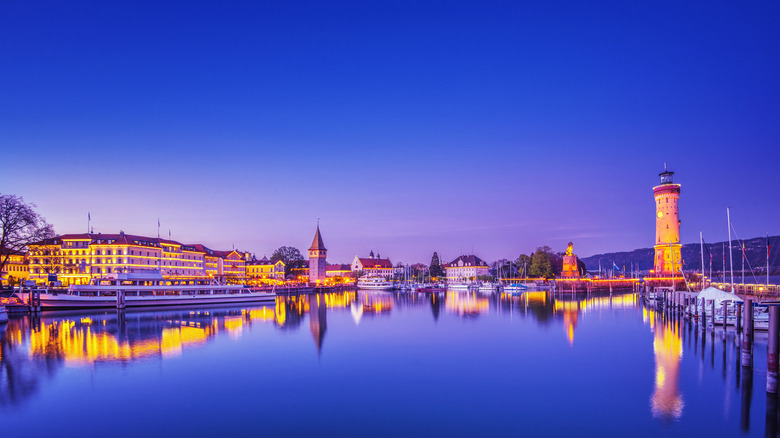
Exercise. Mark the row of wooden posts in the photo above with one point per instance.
(686, 303)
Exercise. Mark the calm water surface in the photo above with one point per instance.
(381, 364)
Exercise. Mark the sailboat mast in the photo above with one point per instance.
(767, 262)
(701, 242)
(731, 257)
(743, 263)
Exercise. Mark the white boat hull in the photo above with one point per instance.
(375, 287)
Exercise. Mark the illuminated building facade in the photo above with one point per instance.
(667, 225)
(76, 258)
(264, 271)
(339, 270)
(16, 269)
(318, 266)
(373, 266)
(466, 268)
(231, 265)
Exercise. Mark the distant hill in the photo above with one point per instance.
(755, 249)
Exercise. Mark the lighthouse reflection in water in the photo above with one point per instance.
(439, 363)
(666, 401)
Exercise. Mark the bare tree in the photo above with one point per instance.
(21, 225)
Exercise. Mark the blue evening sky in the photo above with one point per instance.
(406, 127)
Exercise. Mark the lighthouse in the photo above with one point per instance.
(667, 225)
(317, 256)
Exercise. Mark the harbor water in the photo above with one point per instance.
(382, 364)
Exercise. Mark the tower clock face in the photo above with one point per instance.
(660, 214)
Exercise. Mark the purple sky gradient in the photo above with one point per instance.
(406, 128)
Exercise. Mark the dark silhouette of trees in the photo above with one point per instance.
(21, 225)
(291, 257)
(436, 269)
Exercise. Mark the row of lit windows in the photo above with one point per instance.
(171, 253)
(81, 244)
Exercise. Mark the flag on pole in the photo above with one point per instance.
(169, 233)
(615, 266)
(89, 216)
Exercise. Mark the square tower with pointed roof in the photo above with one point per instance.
(318, 267)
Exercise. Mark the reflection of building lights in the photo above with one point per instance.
(536, 297)
(377, 303)
(570, 322)
(264, 314)
(89, 341)
(466, 304)
(666, 401)
(234, 324)
(339, 300)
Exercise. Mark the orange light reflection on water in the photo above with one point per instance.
(466, 304)
(666, 401)
(87, 341)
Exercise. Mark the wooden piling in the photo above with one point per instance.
(703, 318)
(772, 347)
(120, 299)
(739, 317)
(34, 300)
(712, 310)
(747, 334)
(724, 305)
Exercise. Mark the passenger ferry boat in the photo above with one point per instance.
(374, 283)
(147, 289)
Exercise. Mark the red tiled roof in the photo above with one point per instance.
(375, 263)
